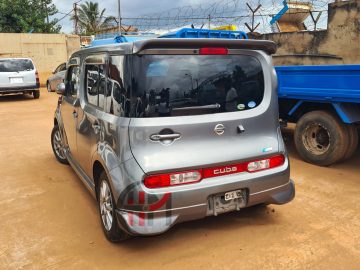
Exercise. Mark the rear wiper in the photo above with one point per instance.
(205, 107)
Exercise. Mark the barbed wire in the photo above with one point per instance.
(219, 13)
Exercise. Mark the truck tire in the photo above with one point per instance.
(321, 138)
(353, 141)
(36, 94)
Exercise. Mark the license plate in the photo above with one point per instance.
(233, 195)
(16, 80)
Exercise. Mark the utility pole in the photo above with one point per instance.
(119, 16)
(76, 20)
(46, 11)
(253, 11)
(209, 17)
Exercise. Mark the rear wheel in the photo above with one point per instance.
(353, 141)
(107, 212)
(321, 138)
(36, 94)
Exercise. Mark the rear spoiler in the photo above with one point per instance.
(267, 46)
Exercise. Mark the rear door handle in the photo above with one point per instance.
(163, 137)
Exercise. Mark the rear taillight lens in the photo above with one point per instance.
(264, 164)
(213, 51)
(172, 179)
(189, 177)
(37, 77)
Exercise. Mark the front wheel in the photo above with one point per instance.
(57, 144)
(321, 138)
(107, 212)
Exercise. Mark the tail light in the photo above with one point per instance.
(264, 164)
(37, 77)
(213, 51)
(172, 179)
(190, 177)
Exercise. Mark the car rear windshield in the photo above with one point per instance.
(16, 65)
(176, 85)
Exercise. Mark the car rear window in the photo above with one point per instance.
(175, 85)
(16, 65)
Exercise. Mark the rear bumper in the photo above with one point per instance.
(154, 213)
(18, 89)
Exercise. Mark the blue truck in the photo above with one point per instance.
(323, 101)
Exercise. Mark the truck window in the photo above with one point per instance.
(176, 85)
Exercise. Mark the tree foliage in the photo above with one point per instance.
(24, 16)
(91, 19)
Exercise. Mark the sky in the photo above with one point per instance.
(130, 8)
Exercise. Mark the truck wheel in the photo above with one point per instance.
(36, 94)
(57, 145)
(353, 141)
(107, 206)
(321, 138)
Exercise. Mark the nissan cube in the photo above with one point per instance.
(164, 131)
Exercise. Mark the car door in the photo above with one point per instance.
(90, 128)
(70, 105)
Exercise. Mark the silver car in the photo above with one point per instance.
(57, 78)
(19, 76)
(170, 130)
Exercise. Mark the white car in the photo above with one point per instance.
(19, 76)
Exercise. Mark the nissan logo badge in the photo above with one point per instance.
(219, 129)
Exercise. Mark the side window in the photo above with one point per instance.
(95, 84)
(72, 82)
(118, 94)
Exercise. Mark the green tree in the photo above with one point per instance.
(91, 19)
(23, 16)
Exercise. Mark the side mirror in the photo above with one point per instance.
(60, 89)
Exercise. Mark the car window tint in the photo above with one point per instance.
(117, 98)
(16, 65)
(95, 84)
(73, 81)
(176, 85)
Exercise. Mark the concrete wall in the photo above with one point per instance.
(339, 44)
(46, 50)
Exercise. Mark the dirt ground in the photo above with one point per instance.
(49, 220)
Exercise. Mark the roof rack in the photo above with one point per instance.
(205, 33)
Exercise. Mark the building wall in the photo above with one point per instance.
(46, 50)
(339, 44)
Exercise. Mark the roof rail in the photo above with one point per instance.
(205, 33)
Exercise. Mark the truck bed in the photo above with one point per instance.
(332, 83)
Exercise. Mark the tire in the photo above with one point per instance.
(36, 94)
(353, 141)
(57, 143)
(106, 205)
(48, 87)
(321, 138)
